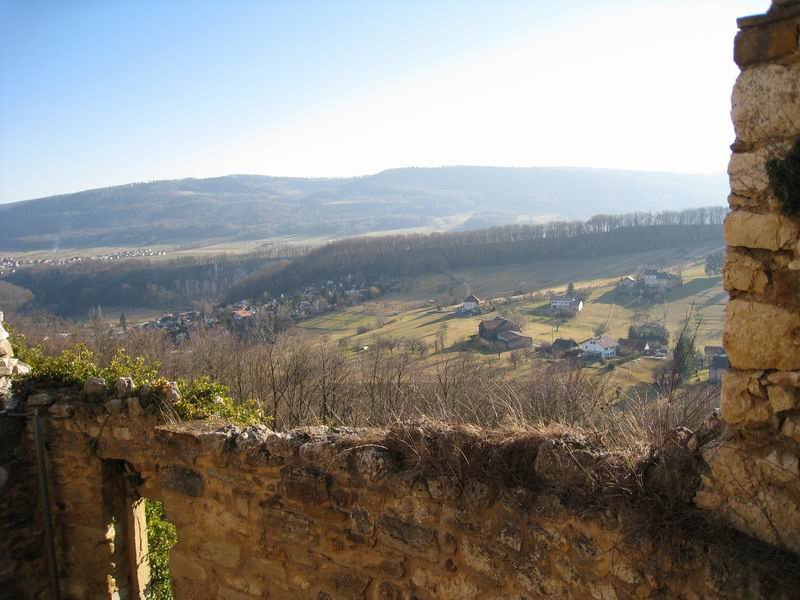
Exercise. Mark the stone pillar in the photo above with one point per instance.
(754, 479)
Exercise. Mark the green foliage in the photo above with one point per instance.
(75, 365)
(784, 178)
(161, 536)
(123, 365)
(72, 367)
(202, 398)
(649, 331)
(714, 263)
(684, 356)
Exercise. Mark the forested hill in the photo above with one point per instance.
(248, 207)
(409, 255)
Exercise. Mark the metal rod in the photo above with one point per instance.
(45, 496)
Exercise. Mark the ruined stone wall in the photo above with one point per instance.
(754, 477)
(326, 514)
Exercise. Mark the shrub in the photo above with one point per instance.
(201, 398)
(161, 536)
(204, 398)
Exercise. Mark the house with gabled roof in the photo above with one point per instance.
(602, 346)
(471, 301)
(488, 330)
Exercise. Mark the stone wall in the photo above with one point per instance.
(329, 514)
(754, 477)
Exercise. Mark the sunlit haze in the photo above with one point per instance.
(102, 93)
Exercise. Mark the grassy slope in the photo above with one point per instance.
(404, 315)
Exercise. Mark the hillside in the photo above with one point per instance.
(252, 207)
(409, 314)
(413, 254)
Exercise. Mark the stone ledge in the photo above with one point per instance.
(775, 15)
(766, 42)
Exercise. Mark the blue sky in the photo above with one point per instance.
(96, 93)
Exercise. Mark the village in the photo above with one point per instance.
(10, 264)
(498, 328)
(275, 314)
(650, 340)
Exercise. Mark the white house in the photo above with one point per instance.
(566, 302)
(470, 302)
(602, 346)
(661, 279)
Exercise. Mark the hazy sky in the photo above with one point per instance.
(96, 92)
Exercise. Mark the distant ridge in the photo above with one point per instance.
(250, 207)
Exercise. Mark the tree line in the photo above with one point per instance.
(415, 254)
(75, 288)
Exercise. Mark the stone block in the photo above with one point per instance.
(372, 464)
(781, 467)
(226, 593)
(744, 401)
(21, 369)
(114, 406)
(7, 365)
(95, 388)
(284, 445)
(747, 172)
(40, 399)
(350, 584)
(6, 349)
(408, 537)
(766, 103)
(767, 231)
(220, 552)
(134, 406)
(762, 336)
(782, 398)
(123, 387)
(182, 480)
(790, 378)
(744, 273)
(791, 427)
(787, 287)
(183, 566)
(765, 43)
(305, 484)
(61, 411)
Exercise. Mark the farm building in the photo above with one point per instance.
(489, 330)
(514, 340)
(563, 345)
